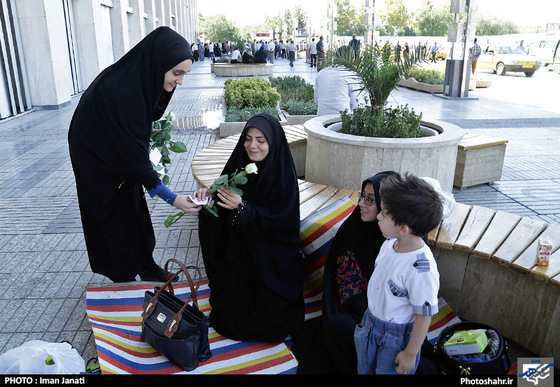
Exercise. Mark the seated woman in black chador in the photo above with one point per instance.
(251, 251)
(326, 344)
(260, 55)
(247, 56)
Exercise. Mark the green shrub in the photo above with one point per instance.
(399, 122)
(298, 108)
(431, 76)
(240, 115)
(250, 92)
(293, 88)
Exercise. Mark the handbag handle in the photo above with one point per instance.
(184, 270)
(149, 307)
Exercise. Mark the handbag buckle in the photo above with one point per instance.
(171, 328)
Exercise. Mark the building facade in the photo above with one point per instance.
(53, 49)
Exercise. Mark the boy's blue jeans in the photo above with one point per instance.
(378, 343)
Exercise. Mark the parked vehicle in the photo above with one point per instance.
(502, 59)
(546, 49)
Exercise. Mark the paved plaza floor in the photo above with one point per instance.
(44, 269)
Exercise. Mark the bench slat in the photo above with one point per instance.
(477, 222)
(523, 234)
(496, 233)
(452, 225)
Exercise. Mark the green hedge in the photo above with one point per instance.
(250, 92)
(293, 88)
(431, 76)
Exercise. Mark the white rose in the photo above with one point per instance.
(251, 168)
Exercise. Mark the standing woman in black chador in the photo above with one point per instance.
(109, 141)
(251, 251)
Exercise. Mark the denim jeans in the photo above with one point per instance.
(378, 343)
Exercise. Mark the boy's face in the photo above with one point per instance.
(388, 227)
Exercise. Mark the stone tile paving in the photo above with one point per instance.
(44, 270)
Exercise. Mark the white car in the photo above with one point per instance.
(502, 59)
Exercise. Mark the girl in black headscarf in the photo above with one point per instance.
(109, 141)
(251, 251)
(326, 344)
(348, 267)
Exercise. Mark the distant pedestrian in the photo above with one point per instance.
(406, 52)
(474, 53)
(271, 50)
(292, 53)
(313, 53)
(355, 44)
(320, 51)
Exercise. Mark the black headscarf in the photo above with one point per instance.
(109, 139)
(254, 266)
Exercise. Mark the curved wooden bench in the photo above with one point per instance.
(486, 258)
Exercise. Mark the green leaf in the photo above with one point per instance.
(171, 219)
(236, 191)
(178, 147)
(213, 211)
(221, 180)
(241, 180)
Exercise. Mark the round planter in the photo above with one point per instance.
(343, 160)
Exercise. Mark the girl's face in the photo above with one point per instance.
(256, 145)
(368, 209)
(175, 76)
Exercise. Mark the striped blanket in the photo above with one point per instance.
(114, 312)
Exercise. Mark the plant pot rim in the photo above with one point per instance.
(448, 133)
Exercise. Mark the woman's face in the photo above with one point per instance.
(256, 144)
(368, 209)
(175, 76)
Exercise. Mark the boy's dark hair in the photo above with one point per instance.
(411, 201)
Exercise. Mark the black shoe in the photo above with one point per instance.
(153, 273)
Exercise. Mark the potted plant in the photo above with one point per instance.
(343, 150)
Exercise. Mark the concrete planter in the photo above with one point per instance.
(342, 160)
(298, 119)
(412, 83)
(230, 128)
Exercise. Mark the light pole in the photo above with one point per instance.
(457, 74)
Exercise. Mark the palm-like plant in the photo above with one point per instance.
(377, 74)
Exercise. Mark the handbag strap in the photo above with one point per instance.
(189, 279)
(149, 307)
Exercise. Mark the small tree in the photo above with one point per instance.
(377, 74)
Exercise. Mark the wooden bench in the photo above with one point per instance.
(480, 159)
(486, 258)
(241, 69)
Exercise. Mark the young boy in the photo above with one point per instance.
(402, 291)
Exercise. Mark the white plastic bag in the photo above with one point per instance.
(40, 357)
(447, 199)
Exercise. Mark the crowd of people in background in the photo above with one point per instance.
(314, 50)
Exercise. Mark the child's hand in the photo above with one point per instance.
(405, 362)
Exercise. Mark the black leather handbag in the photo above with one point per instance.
(496, 361)
(177, 329)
